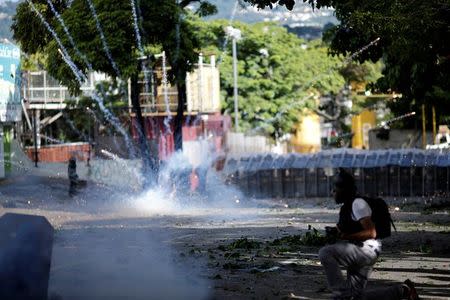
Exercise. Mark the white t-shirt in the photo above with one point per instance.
(361, 209)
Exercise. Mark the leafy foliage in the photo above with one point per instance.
(311, 238)
(33, 62)
(85, 111)
(361, 73)
(417, 61)
(243, 243)
(163, 25)
(279, 74)
(103, 38)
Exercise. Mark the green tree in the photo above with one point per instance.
(279, 74)
(34, 62)
(113, 49)
(417, 61)
(162, 25)
(361, 73)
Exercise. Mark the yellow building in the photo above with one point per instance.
(361, 124)
(307, 135)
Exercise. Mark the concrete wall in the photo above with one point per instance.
(115, 172)
(118, 173)
(239, 144)
(60, 153)
(398, 138)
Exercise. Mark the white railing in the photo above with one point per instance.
(40, 89)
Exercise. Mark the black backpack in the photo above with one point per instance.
(381, 217)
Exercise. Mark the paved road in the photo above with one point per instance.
(114, 245)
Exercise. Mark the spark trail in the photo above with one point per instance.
(310, 83)
(233, 14)
(177, 35)
(69, 36)
(62, 49)
(103, 39)
(66, 57)
(72, 42)
(139, 45)
(166, 97)
(73, 127)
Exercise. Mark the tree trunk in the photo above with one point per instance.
(178, 124)
(149, 166)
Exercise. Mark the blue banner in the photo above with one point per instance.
(10, 82)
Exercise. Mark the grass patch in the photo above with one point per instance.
(293, 242)
(242, 243)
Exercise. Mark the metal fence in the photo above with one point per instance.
(396, 173)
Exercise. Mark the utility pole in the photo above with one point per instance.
(35, 139)
(235, 35)
(235, 89)
(424, 128)
(434, 123)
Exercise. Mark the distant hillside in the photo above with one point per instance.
(301, 15)
(307, 32)
(302, 20)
